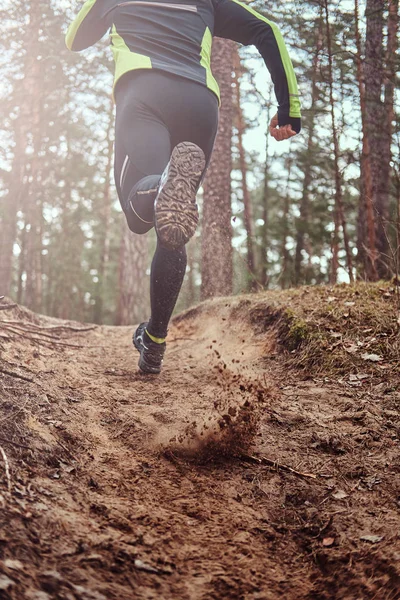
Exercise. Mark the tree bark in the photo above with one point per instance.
(340, 218)
(366, 247)
(389, 115)
(373, 70)
(264, 278)
(133, 298)
(216, 265)
(247, 207)
(303, 221)
(34, 89)
(105, 214)
(285, 275)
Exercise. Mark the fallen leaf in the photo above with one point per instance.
(141, 566)
(371, 357)
(340, 495)
(373, 539)
(15, 565)
(352, 349)
(5, 582)
(349, 303)
(328, 542)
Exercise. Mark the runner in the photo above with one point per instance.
(166, 121)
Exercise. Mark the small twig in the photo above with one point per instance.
(7, 468)
(12, 374)
(52, 327)
(8, 306)
(272, 463)
(25, 332)
(17, 444)
(46, 342)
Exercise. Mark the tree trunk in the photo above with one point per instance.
(216, 265)
(375, 117)
(133, 299)
(105, 214)
(338, 178)
(366, 246)
(34, 89)
(264, 279)
(247, 207)
(9, 215)
(303, 221)
(285, 275)
(387, 133)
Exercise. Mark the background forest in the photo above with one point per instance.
(322, 208)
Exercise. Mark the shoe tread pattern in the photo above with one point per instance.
(176, 212)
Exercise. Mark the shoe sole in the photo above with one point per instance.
(176, 212)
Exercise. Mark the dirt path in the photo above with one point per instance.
(109, 499)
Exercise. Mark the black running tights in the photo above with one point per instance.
(155, 112)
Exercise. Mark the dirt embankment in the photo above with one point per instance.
(263, 463)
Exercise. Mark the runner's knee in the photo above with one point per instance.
(139, 208)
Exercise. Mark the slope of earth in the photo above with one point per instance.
(263, 462)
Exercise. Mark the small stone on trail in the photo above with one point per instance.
(340, 495)
(373, 539)
(328, 542)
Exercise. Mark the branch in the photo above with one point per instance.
(263, 460)
(7, 468)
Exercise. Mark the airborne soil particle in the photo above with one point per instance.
(125, 486)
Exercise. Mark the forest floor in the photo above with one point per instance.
(263, 463)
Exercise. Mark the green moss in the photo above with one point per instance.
(297, 330)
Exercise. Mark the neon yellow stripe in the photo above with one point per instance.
(287, 63)
(125, 59)
(205, 62)
(74, 27)
(154, 339)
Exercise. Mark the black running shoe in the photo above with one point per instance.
(151, 353)
(176, 211)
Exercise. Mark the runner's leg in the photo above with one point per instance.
(152, 110)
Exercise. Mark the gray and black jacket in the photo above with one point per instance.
(176, 37)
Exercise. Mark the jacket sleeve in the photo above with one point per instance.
(89, 25)
(237, 21)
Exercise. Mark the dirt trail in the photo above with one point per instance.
(107, 503)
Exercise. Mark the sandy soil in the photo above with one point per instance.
(227, 476)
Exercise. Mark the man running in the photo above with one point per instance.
(166, 121)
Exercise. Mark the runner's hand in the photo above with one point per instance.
(280, 133)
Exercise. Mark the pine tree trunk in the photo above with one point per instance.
(264, 241)
(303, 221)
(285, 275)
(105, 215)
(387, 132)
(368, 250)
(216, 264)
(33, 215)
(373, 71)
(133, 298)
(367, 237)
(248, 209)
(339, 218)
(11, 204)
